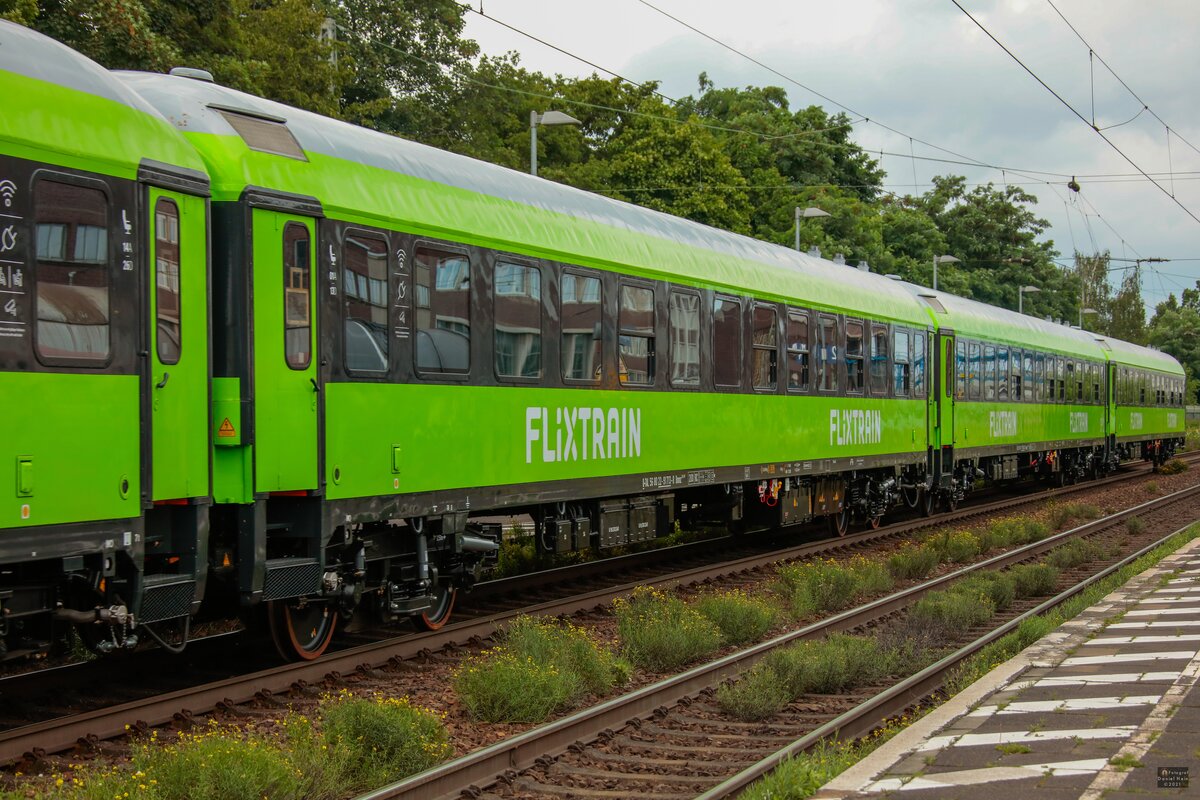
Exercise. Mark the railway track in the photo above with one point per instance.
(670, 740)
(38, 739)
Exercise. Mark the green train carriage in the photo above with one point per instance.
(1147, 388)
(483, 341)
(105, 454)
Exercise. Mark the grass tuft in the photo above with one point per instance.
(955, 546)
(912, 562)
(1174, 467)
(539, 668)
(661, 632)
(1034, 580)
(740, 617)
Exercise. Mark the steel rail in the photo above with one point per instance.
(63, 733)
(866, 717)
(475, 771)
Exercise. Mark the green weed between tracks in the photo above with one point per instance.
(740, 617)
(827, 585)
(661, 632)
(354, 744)
(539, 668)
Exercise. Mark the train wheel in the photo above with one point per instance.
(927, 502)
(301, 632)
(876, 522)
(438, 613)
(839, 523)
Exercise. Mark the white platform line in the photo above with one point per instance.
(1019, 737)
(1098, 680)
(1164, 612)
(1169, 623)
(974, 777)
(1119, 658)
(1111, 640)
(1072, 704)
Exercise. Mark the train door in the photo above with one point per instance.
(286, 390)
(944, 385)
(178, 345)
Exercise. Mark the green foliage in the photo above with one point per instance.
(518, 555)
(740, 617)
(954, 546)
(1074, 553)
(1012, 532)
(381, 739)
(661, 632)
(950, 613)
(1062, 516)
(912, 562)
(1135, 525)
(998, 587)
(824, 585)
(539, 668)
(1034, 580)
(758, 694)
(1174, 467)
(22, 12)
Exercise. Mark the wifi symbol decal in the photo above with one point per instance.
(8, 190)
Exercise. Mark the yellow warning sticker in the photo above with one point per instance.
(226, 430)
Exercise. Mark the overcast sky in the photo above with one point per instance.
(923, 68)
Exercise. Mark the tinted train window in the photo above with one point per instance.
(1027, 379)
(1059, 372)
(765, 345)
(442, 280)
(1015, 381)
(797, 351)
(902, 370)
(636, 337)
(1002, 373)
(827, 354)
(989, 372)
(365, 298)
(727, 342)
(1039, 376)
(974, 371)
(685, 339)
(879, 359)
(854, 357)
(168, 324)
(72, 273)
(297, 296)
(919, 364)
(960, 362)
(580, 307)
(517, 295)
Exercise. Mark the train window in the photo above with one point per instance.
(636, 336)
(1095, 372)
(960, 363)
(365, 295)
(1039, 376)
(827, 354)
(1015, 382)
(989, 372)
(685, 339)
(765, 365)
(517, 306)
(580, 312)
(443, 305)
(854, 357)
(901, 369)
(297, 296)
(72, 273)
(1051, 379)
(1059, 373)
(1027, 376)
(167, 313)
(727, 342)
(974, 371)
(879, 359)
(1002, 373)
(797, 351)
(918, 372)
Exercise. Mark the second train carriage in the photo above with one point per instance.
(403, 339)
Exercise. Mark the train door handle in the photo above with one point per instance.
(316, 388)
(166, 376)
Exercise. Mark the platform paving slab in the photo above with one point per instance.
(1115, 682)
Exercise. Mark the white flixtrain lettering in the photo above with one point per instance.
(854, 426)
(1079, 422)
(1002, 423)
(570, 433)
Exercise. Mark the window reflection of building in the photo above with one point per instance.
(72, 272)
(365, 292)
(168, 333)
(518, 312)
(685, 339)
(636, 339)
(580, 314)
(442, 283)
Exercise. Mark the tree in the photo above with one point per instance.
(1128, 310)
(1091, 273)
(1175, 329)
(22, 12)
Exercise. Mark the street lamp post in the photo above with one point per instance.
(1021, 290)
(549, 118)
(941, 260)
(801, 213)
